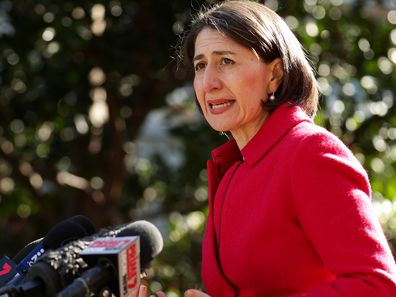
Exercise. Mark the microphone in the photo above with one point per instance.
(120, 268)
(150, 238)
(115, 264)
(7, 270)
(8, 267)
(59, 235)
(26, 250)
(66, 231)
(85, 223)
(59, 268)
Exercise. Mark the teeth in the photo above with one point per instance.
(220, 105)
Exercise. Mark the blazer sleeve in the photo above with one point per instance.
(331, 196)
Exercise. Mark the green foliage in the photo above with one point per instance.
(95, 119)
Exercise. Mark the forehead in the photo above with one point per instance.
(210, 39)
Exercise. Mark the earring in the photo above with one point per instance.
(272, 97)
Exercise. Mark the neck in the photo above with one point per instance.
(243, 136)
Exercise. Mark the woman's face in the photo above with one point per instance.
(230, 83)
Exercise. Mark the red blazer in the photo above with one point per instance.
(290, 215)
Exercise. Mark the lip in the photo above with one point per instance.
(218, 106)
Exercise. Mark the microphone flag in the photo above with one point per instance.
(124, 255)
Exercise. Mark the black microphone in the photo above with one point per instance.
(85, 223)
(66, 231)
(59, 268)
(117, 270)
(59, 235)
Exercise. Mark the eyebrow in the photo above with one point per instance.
(217, 53)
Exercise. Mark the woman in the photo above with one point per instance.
(289, 205)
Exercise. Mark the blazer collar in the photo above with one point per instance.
(225, 155)
(278, 124)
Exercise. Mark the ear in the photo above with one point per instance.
(276, 71)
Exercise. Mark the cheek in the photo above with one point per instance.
(198, 93)
(255, 83)
(253, 79)
(196, 85)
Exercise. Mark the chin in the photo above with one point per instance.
(220, 128)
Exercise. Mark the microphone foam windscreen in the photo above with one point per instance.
(151, 242)
(63, 233)
(85, 223)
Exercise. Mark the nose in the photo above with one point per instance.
(211, 79)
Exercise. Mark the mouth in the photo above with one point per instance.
(220, 103)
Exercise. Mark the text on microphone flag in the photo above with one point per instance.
(108, 244)
(133, 265)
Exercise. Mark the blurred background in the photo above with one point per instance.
(96, 120)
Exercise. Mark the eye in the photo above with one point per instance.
(226, 61)
(199, 66)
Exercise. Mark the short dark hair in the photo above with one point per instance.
(257, 27)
